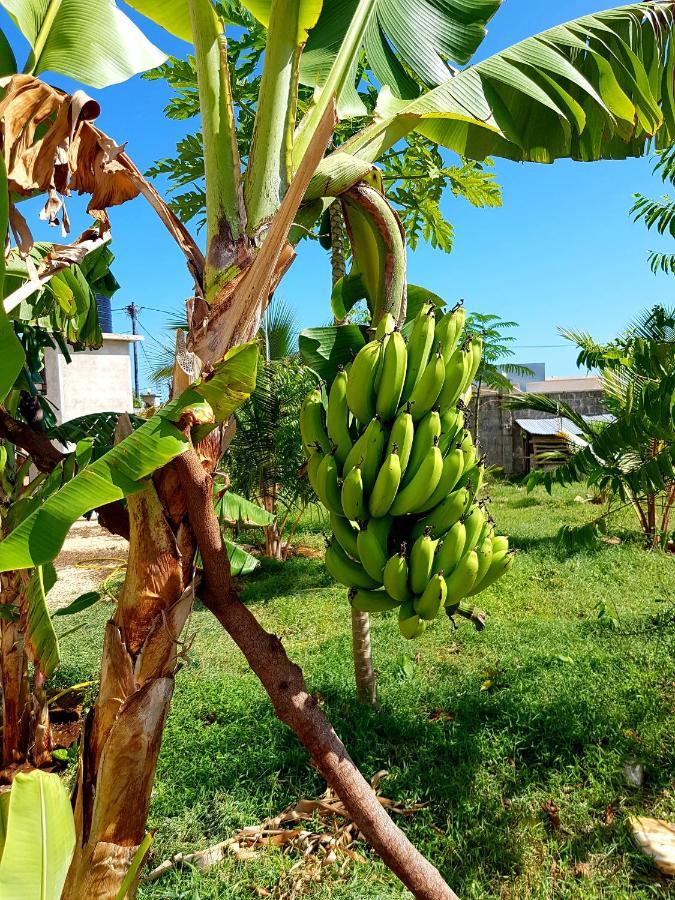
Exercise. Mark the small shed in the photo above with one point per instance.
(559, 436)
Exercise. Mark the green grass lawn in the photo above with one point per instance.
(572, 696)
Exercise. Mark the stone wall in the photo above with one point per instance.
(503, 441)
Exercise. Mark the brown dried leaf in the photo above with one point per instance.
(552, 812)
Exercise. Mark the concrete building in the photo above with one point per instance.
(94, 380)
(503, 433)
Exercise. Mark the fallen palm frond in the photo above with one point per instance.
(329, 845)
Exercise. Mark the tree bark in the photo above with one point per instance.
(14, 677)
(123, 732)
(284, 683)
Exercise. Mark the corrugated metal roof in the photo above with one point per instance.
(559, 426)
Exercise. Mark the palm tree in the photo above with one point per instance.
(631, 458)
(494, 366)
(266, 453)
(659, 214)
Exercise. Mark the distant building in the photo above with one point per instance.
(511, 439)
(522, 381)
(94, 380)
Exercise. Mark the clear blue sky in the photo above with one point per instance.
(561, 251)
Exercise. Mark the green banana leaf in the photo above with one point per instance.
(241, 562)
(324, 349)
(40, 536)
(232, 509)
(305, 12)
(40, 637)
(417, 297)
(92, 41)
(172, 15)
(598, 87)
(84, 601)
(401, 36)
(39, 838)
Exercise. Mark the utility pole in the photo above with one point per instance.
(132, 311)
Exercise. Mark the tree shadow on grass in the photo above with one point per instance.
(483, 770)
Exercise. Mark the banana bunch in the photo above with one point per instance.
(393, 463)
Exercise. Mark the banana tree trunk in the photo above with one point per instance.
(362, 651)
(123, 732)
(273, 536)
(13, 675)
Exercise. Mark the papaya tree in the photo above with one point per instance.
(598, 87)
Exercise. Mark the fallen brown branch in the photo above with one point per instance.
(284, 682)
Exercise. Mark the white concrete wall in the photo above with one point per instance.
(94, 381)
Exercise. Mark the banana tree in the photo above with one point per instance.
(598, 87)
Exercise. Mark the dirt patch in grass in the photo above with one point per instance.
(89, 556)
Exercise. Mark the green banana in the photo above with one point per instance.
(500, 565)
(337, 417)
(386, 325)
(402, 433)
(422, 485)
(345, 570)
(500, 543)
(475, 353)
(428, 387)
(444, 516)
(315, 460)
(473, 478)
(453, 465)
(311, 422)
(361, 384)
(345, 534)
(396, 576)
(421, 562)
(473, 522)
(368, 452)
(409, 623)
(353, 501)
(425, 433)
(468, 449)
(455, 374)
(452, 421)
(386, 485)
(371, 601)
(428, 605)
(450, 549)
(394, 365)
(327, 487)
(372, 554)
(449, 329)
(462, 579)
(484, 553)
(419, 347)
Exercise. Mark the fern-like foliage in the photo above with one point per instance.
(633, 456)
